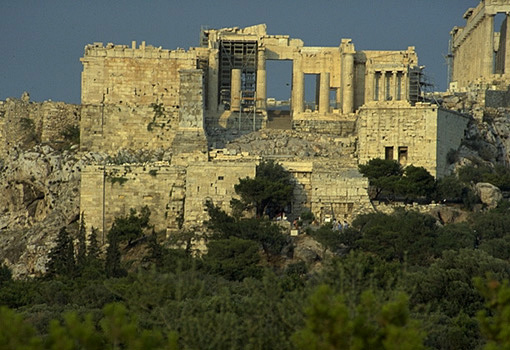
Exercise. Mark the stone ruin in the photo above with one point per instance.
(208, 107)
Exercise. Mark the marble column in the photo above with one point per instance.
(369, 85)
(212, 83)
(348, 83)
(324, 93)
(488, 47)
(405, 86)
(235, 90)
(298, 87)
(261, 79)
(507, 46)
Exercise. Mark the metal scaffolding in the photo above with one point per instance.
(238, 55)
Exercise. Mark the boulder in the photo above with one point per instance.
(307, 249)
(489, 194)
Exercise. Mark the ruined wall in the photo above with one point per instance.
(190, 139)
(497, 98)
(384, 127)
(24, 123)
(474, 45)
(450, 132)
(339, 193)
(111, 191)
(334, 124)
(470, 61)
(109, 128)
(118, 74)
(500, 59)
(212, 181)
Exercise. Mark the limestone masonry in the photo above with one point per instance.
(478, 53)
(207, 108)
(173, 129)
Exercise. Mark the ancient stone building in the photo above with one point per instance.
(199, 105)
(478, 53)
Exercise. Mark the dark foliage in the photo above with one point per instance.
(61, 258)
(130, 227)
(270, 192)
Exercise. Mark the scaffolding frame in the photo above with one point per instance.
(238, 54)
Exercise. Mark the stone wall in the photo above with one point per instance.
(339, 193)
(388, 130)
(109, 128)
(476, 49)
(450, 132)
(24, 123)
(312, 122)
(212, 181)
(421, 135)
(497, 98)
(118, 74)
(110, 191)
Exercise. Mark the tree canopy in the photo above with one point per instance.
(269, 192)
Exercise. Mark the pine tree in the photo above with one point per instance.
(93, 247)
(113, 266)
(61, 257)
(81, 251)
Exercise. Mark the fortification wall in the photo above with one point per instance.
(212, 181)
(338, 193)
(450, 132)
(407, 134)
(118, 74)
(108, 128)
(24, 123)
(110, 191)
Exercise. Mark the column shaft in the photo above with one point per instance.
(212, 83)
(298, 87)
(507, 46)
(348, 83)
(488, 47)
(261, 80)
(235, 90)
(324, 93)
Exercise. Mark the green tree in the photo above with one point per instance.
(81, 249)
(93, 249)
(61, 258)
(5, 274)
(328, 237)
(15, 333)
(233, 258)
(383, 174)
(495, 319)
(416, 182)
(266, 233)
(113, 266)
(269, 192)
(330, 324)
(94, 266)
(403, 236)
(131, 227)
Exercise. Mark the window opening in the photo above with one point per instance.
(402, 155)
(388, 153)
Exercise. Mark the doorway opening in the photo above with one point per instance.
(311, 91)
(278, 83)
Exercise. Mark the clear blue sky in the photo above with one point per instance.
(42, 41)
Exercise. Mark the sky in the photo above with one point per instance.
(41, 41)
